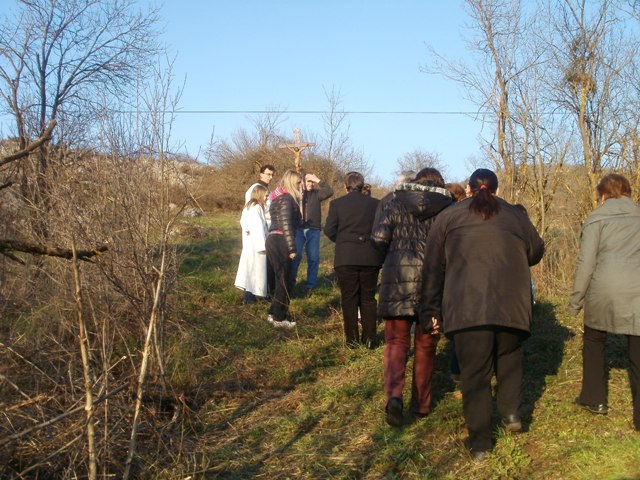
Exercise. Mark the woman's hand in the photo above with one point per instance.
(430, 326)
(435, 328)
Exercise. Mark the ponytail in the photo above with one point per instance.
(484, 184)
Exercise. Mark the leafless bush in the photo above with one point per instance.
(98, 200)
(222, 187)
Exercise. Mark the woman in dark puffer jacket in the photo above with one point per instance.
(281, 244)
(401, 235)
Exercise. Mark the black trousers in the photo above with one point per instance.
(357, 290)
(594, 371)
(481, 352)
(271, 279)
(278, 256)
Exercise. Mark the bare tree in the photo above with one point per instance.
(336, 142)
(594, 55)
(489, 82)
(419, 159)
(107, 184)
(336, 131)
(56, 59)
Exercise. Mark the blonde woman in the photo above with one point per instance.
(281, 243)
(252, 270)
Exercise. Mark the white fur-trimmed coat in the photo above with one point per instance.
(252, 270)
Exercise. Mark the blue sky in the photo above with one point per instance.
(247, 55)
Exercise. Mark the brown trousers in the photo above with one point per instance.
(397, 334)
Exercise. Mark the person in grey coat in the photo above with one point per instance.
(477, 284)
(607, 286)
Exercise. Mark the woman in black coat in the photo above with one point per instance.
(400, 235)
(281, 244)
(356, 262)
(478, 284)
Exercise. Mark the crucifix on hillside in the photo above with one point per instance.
(296, 147)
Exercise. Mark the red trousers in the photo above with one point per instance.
(397, 334)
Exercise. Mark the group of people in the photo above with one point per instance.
(457, 261)
(451, 263)
(277, 227)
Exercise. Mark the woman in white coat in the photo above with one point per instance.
(252, 270)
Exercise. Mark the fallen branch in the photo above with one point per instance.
(8, 246)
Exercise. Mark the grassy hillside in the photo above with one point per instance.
(276, 404)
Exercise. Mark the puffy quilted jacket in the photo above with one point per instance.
(400, 235)
(285, 217)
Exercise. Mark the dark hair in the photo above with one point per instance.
(614, 185)
(267, 166)
(430, 176)
(354, 181)
(484, 184)
(456, 190)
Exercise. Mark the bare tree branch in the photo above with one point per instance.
(45, 137)
(7, 246)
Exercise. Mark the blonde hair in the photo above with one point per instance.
(257, 196)
(289, 182)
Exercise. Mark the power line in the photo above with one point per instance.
(321, 112)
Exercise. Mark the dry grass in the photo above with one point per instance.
(247, 401)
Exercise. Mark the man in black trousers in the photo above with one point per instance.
(356, 261)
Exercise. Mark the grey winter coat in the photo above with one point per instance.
(477, 271)
(400, 235)
(607, 278)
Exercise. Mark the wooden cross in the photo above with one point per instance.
(296, 147)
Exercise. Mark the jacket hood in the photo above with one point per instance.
(422, 201)
(278, 192)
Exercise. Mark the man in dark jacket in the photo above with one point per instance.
(356, 261)
(308, 235)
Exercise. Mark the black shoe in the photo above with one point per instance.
(394, 412)
(600, 409)
(477, 455)
(512, 423)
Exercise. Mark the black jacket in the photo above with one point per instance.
(285, 217)
(311, 205)
(349, 225)
(477, 271)
(401, 235)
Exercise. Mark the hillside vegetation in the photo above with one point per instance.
(267, 403)
(126, 351)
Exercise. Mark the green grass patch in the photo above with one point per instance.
(283, 404)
